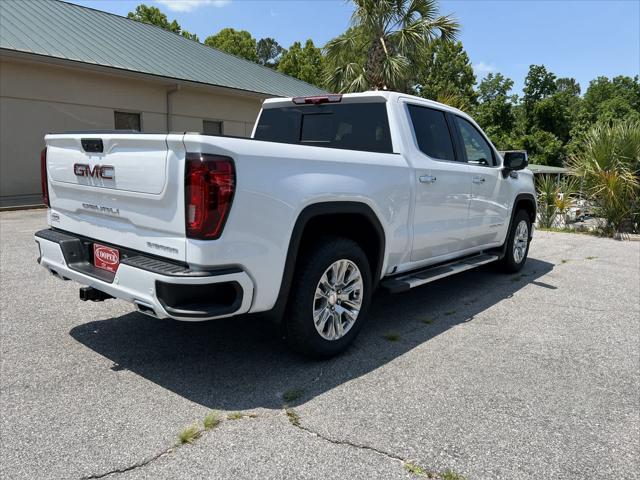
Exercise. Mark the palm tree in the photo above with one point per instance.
(383, 42)
(609, 163)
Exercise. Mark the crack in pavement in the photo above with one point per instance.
(360, 446)
(153, 458)
(406, 463)
(136, 465)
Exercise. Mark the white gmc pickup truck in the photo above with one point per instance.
(331, 198)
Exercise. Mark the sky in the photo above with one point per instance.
(572, 38)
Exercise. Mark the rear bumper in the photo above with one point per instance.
(157, 287)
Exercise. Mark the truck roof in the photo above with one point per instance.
(367, 97)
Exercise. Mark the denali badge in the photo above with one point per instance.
(101, 209)
(97, 171)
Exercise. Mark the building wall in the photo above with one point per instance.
(39, 98)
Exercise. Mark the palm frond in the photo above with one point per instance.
(346, 78)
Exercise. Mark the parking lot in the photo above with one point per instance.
(483, 375)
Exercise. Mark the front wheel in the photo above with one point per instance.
(330, 295)
(517, 247)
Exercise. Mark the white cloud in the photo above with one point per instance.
(483, 68)
(188, 5)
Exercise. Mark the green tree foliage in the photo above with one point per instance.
(236, 42)
(154, 16)
(444, 73)
(556, 112)
(544, 147)
(544, 119)
(496, 109)
(268, 52)
(304, 63)
(386, 40)
(606, 100)
(538, 84)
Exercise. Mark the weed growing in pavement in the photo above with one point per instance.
(294, 418)
(414, 469)
(212, 420)
(189, 434)
(392, 337)
(451, 475)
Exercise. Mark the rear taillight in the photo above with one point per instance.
(210, 182)
(44, 183)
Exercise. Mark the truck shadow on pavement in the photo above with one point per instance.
(241, 363)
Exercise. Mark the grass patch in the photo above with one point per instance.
(294, 418)
(451, 475)
(392, 337)
(449, 312)
(591, 258)
(564, 260)
(189, 434)
(212, 420)
(235, 416)
(414, 469)
(292, 395)
(427, 321)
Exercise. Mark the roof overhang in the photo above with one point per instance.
(124, 73)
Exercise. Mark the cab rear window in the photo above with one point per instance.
(351, 126)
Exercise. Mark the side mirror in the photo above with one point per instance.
(515, 160)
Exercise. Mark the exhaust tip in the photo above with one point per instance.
(146, 309)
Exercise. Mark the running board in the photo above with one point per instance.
(407, 281)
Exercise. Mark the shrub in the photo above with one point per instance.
(555, 198)
(609, 162)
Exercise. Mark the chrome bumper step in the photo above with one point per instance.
(407, 281)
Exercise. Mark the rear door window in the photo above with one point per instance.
(351, 126)
(432, 132)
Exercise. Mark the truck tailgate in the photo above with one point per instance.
(123, 189)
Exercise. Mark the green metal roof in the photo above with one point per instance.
(546, 169)
(71, 32)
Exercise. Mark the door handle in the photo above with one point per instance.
(478, 179)
(427, 179)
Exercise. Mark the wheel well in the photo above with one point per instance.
(529, 206)
(348, 219)
(354, 226)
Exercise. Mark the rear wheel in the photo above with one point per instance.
(330, 295)
(517, 247)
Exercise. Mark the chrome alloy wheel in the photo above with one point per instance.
(520, 241)
(337, 300)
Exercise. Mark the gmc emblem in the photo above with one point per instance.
(97, 171)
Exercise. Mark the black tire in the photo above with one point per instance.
(299, 328)
(509, 263)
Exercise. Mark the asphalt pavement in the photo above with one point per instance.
(482, 376)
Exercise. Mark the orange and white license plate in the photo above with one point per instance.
(106, 258)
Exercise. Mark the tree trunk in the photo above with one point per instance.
(373, 69)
